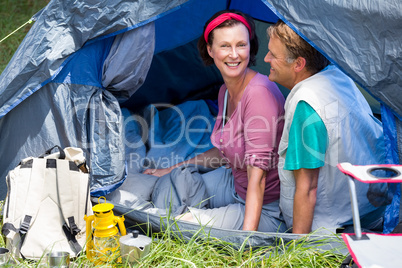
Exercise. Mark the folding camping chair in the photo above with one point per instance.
(371, 249)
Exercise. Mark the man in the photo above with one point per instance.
(327, 121)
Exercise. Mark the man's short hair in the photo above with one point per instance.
(298, 47)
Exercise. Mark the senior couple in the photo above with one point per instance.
(279, 157)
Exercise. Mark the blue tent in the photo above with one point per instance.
(83, 64)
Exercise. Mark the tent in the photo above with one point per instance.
(86, 67)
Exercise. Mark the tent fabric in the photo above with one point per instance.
(33, 120)
(173, 29)
(393, 141)
(118, 75)
(362, 37)
(60, 38)
(65, 86)
(175, 76)
(164, 135)
(257, 9)
(61, 29)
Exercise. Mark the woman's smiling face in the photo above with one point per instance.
(230, 50)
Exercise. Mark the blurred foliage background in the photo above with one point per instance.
(13, 14)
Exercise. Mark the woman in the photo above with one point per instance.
(246, 133)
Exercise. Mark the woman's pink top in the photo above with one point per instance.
(252, 134)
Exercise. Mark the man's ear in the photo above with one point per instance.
(300, 64)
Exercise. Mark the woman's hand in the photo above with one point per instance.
(158, 172)
(210, 158)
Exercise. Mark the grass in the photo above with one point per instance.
(13, 14)
(168, 249)
(214, 252)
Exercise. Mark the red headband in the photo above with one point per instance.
(222, 18)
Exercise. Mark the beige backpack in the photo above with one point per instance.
(46, 202)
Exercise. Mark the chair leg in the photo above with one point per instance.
(355, 208)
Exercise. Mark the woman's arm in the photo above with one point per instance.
(255, 197)
(211, 159)
(262, 127)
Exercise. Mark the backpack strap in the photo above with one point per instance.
(62, 154)
(33, 200)
(68, 200)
